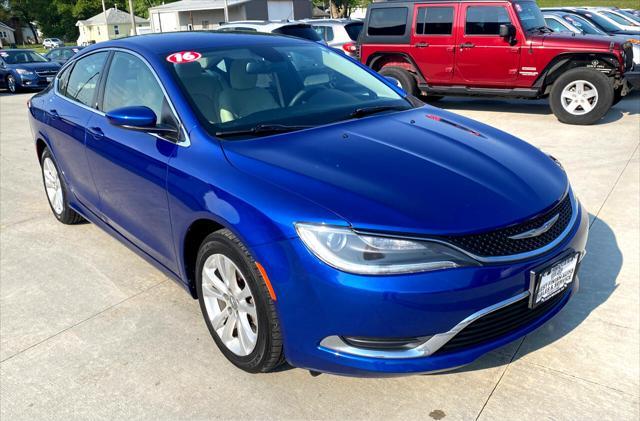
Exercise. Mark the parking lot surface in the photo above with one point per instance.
(90, 330)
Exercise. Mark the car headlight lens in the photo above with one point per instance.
(633, 41)
(348, 251)
(24, 72)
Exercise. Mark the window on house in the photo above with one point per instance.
(205, 24)
(116, 29)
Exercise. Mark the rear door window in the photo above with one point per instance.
(354, 29)
(84, 78)
(434, 21)
(299, 31)
(485, 20)
(387, 21)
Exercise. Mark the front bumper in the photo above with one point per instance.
(35, 81)
(316, 302)
(633, 79)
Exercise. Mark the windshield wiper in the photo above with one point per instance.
(262, 129)
(365, 111)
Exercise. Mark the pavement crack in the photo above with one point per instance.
(84, 320)
(500, 379)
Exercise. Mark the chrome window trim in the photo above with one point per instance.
(184, 143)
(497, 259)
(338, 346)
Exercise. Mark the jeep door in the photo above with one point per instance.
(483, 57)
(433, 41)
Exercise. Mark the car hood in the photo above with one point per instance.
(570, 40)
(422, 171)
(42, 66)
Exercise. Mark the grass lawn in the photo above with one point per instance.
(623, 4)
(38, 48)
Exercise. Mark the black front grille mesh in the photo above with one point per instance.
(499, 323)
(498, 243)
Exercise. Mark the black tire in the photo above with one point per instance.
(601, 84)
(67, 215)
(268, 351)
(12, 85)
(407, 81)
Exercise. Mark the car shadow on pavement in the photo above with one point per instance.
(598, 274)
(629, 105)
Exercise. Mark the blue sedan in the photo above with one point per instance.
(25, 69)
(319, 214)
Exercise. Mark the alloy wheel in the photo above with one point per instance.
(11, 84)
(579, 97)
(53, 185)
(230, 305)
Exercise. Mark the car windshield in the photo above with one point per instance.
(19, 57)
(354, 29)
(604, 24)
(582, 24)
(530, 15)
(299, 31)
(618, 19)
(259, 89)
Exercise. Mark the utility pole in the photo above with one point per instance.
(104, 11)
(133, 18)
(226, 10)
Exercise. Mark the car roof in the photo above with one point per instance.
(161, 43)
(331, 22)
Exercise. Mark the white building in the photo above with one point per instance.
(7, 35)
(110, 25)
(190, 15)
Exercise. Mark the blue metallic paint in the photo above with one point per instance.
(402, 172)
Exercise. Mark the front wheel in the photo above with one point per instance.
(237, 304)
(581, 96)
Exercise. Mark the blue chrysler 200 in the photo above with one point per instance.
(319, 214)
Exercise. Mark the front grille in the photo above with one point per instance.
(498, 243)
(47, 72)
(499, 323)
(628, 56)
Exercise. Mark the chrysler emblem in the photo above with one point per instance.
(536, 231)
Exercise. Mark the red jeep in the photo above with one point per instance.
(496, 48)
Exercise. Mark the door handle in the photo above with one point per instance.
(422, 44)
(467, 45)
(96, 132)
(54, 114)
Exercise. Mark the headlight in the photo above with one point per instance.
(24, 72)
(345, 250)
(633, 41)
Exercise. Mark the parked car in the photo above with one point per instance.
(294, 29)
(331, 221)
(49, 43)
(341, 34)
(61, 55)
(623, 22)
(633, 12)
(599, 21)
(25, 69)
(572, 23)
(437, 48)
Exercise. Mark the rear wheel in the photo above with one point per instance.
(57, 191)
(581, 96)
(237, 305)
(402, 77)
(12, 85)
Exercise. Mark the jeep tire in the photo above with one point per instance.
(581, 96)
(407, 81)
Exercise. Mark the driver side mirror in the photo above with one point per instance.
(141, 119)
(508, 31)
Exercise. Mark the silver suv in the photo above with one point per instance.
(52, 43)
(292, 28)
(341, 34)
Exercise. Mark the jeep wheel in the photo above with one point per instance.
(404, 78)
(581, 96)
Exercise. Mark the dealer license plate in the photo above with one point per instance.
(552, 280)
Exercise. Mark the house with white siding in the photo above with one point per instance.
(202, 15)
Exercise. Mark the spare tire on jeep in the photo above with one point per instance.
(581, 96)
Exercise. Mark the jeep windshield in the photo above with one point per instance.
(263, 89)
(530, 15)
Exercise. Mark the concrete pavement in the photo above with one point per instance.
(88, 330)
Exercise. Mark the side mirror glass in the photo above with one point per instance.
(508, 31)
(140, 119)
